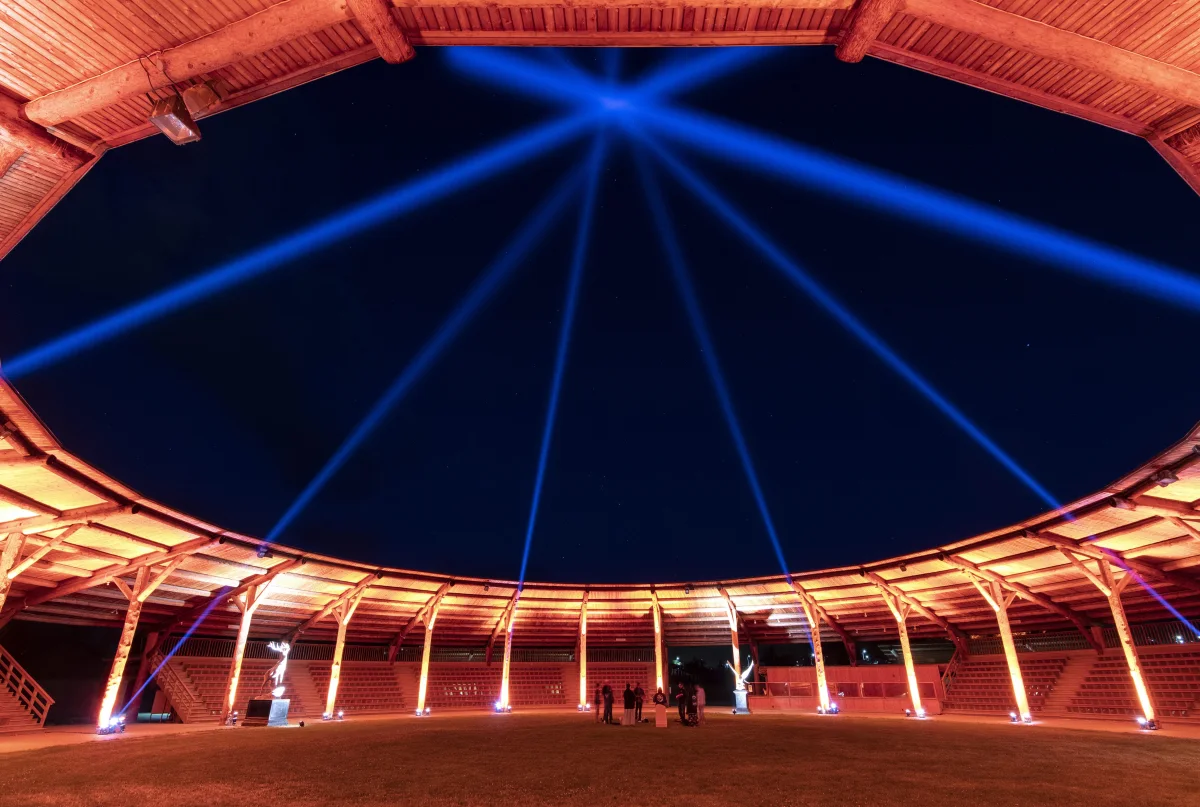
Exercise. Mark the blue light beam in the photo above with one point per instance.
(578, 260)
(879, 190)
(483, 290)
(793, 272)
(473, 168)
(685, 73)
(691, 303)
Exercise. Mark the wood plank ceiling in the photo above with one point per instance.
(77, 76)
(81, 530)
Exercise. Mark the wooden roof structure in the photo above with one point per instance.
(87, 536)
(77, 76)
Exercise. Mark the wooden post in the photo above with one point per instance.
(424, 685)
(900, 610)
(377, 21)
(583, 689)
(995, 597)
(1112, 589)
(342, 614)
(504, 704)
(8, 559)
(814, 624)
(248, 602)
(658, 638)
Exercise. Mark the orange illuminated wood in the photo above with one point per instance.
(354, 591)
(248, 602)
(581, 654)
(343, 612)
(1140, 566)
(814, 631)
(732, 614)
(656, 610)
(8, 559)
(1111, 585)
(378, 22)
(41, 552)
(956, 635)
(900, 609)
(866, 23)
(20, 135)
(423, 684)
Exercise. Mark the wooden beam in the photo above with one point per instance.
(1142, 567)
(45, 523)
(500, 625)
(21, 135)
(16, 499)
(347, 595)
(105, 575)
(44, 550)
(377, 21)
(1186, 527)
(956, 635)
(9, 154)
(398, 640)
(251, 582)
(1040, 39)
(867, 21)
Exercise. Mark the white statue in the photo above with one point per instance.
(739, 681)
(276, 674)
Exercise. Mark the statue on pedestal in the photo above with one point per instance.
(276, 674)
(740, 704)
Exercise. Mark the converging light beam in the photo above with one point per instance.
(503, 156)
(691, 304)
(578, 261)
(483, 290)
(872, 188)
(793, 272)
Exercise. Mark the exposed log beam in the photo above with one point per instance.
(1142, 567)
(358, 588)
(105, 575)
(45, 523)
(1152, 506)
(377, 21)
(422, 612)
(16, 499)
(956, 635)
(1186, 527)
(867, 21)
(849, 641)
(1071, 49)
(1083, 623)
(44, 550)
(9, 154)
(23, 136)
(500, 623)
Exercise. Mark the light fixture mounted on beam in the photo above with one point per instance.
(173, 119)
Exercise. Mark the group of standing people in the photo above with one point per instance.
(689, 697)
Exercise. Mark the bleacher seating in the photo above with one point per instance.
(363, 686)
(463, 686)
(1173, 679)
(541, 685)
(617, 675)
(984, 684)
(206, 679)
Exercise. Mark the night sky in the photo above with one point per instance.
(227, 409)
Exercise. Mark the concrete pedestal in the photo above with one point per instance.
(740, 706)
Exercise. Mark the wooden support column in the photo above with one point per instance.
(8, 559)
(814, 624)
(731, 612)
(248, 602)
(1111, 585)
(584, 698)
(900, 610)
(377, 21)
(504, 704)
(423, 687)
(658, 639)
(342, 613)
(953, 632)
(999, 601)
(19, 135)
(143, 586)
(867, 22)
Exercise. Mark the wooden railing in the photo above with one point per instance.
(28, 692)
(175, 688)
(950, 673)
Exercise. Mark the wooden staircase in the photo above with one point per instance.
(23, 703)
(1067, 685)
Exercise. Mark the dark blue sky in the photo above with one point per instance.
(227, 409)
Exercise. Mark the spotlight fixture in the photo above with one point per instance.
(904, 567)
(379, 575)
(1148, 725)
(341, 715)
(172, 118)
(427, 710)
(262, 551)
(687, 589)
(1012, 717)
(1165, 477)
(486, 587)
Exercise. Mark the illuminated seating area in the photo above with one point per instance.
(463, 686)
(984, 684)
(206, 679)
(363, 687)
(541, 685)
(1173, 678)
(618, 675)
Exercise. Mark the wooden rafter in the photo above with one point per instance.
(867, 21)
(54, 543)
(1142, 567)
(956, 634)
(195, 612)
(376, 19)
(500, 623)
(422, 612)
(347, 595)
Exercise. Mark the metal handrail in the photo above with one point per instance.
(27, 691)
(176, 690)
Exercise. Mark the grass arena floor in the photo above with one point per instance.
(566, 760)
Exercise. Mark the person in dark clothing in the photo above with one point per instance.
(681, 702)
(639, 695)
(692, 706)
(598, 703)
(608, 701)
(630, 703)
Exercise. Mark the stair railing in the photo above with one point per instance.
(27, 691)
(174, 687)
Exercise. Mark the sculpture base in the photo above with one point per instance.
(740, 707)
(271, 713)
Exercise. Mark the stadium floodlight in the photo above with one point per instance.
(404, 198)
(485, 288)
(575, 281)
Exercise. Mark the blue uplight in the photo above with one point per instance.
(484, 289)
(691, 303)
(911, 200)
(810, 286)
(578, 260)
(686, 72)
(404, 198)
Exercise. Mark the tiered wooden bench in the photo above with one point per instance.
(206, 678)
(1173, 679)
(363, 687)
(984, 685)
